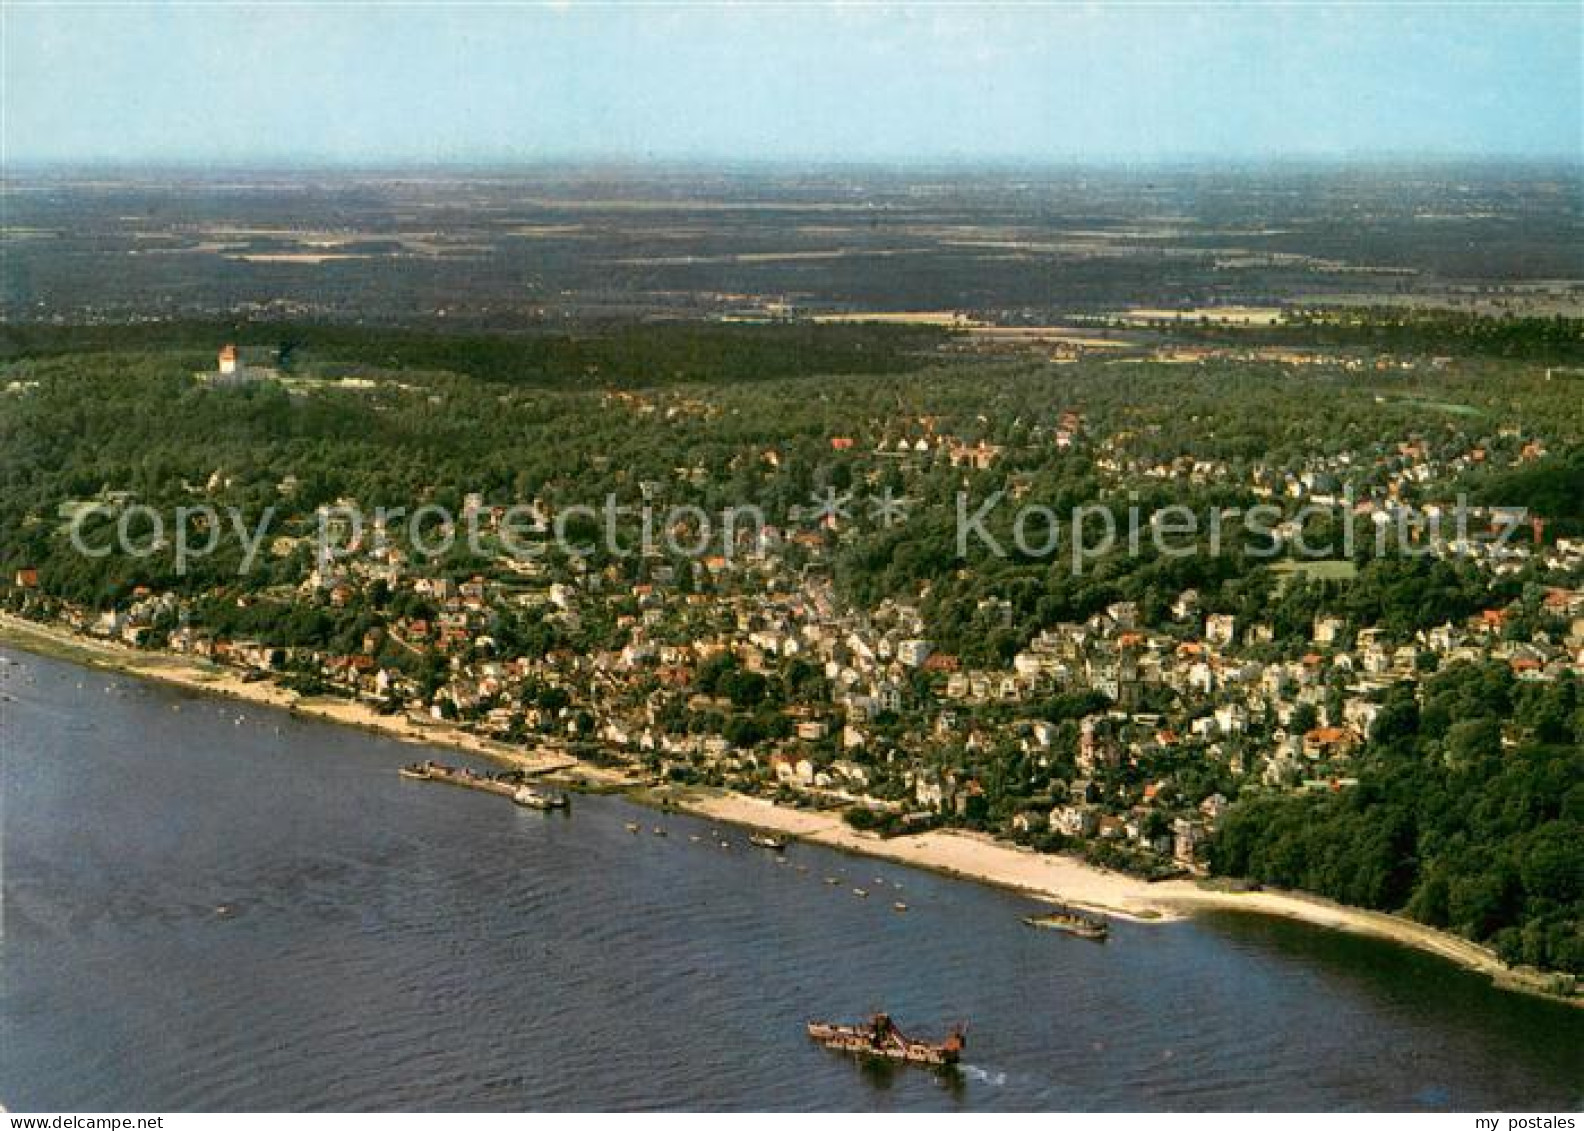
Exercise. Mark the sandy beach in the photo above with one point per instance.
(1066, 880)
(968, 855)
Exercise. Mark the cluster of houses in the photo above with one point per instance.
(871, 711)
(899, 726)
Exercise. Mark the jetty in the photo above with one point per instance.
(511, 784)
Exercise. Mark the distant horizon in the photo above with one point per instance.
(812, 166)
(444, 85)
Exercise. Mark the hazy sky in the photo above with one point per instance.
(365, 83)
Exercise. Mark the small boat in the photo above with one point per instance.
(879, 1037)
(765, 840)
(417, 771)
(1072, 923)
(658, 831)
(899, 906)
(832, 881)
(633, 827)
(694, 837)
(860, 893)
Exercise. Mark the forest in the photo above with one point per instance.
(608, 357)
(1469, 815)
(1552, 340)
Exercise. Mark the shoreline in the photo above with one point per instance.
(1062, 879)
(212, 679)
(964, 855)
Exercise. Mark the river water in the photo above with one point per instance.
(210, 905)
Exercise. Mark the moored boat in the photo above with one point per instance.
(880, 1037)
(509, 784)
(765, 840)
(530, 798)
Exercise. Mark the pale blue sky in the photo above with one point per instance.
(260, 83)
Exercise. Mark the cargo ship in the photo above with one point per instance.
(880, 1037)
(1071, 922)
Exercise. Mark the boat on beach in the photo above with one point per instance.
(879, 1037)
(416, 771)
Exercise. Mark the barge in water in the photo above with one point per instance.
(1071, 922)
(880, 1037)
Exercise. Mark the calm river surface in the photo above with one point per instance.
(389, 944)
